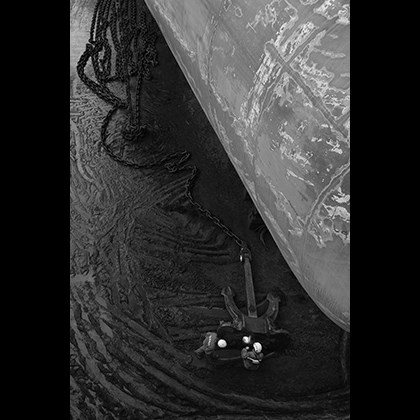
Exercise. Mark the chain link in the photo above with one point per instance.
(133, 40)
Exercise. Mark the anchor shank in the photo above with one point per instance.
(249, 287)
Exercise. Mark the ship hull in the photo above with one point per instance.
(273, 79)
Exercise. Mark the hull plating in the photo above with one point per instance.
(274, 81)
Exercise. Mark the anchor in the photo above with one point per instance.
(263, 324)
(261, 327)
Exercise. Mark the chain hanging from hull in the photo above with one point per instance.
(119, 27)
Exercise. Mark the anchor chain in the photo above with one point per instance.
(127, 27)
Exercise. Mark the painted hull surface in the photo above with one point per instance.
(273, 78)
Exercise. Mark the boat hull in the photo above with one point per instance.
(273, 78)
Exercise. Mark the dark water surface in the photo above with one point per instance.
(146, 272)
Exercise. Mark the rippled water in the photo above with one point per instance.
(146, 272)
